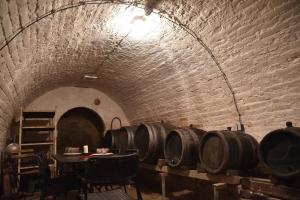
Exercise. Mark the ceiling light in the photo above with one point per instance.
(90, 77)
(134, 23)
(149, 5)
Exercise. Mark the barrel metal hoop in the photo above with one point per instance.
(151, 145)
(193, 135)
(240, 145)
(226, 151)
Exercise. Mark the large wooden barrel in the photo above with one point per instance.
(109, 139)
(181, 147)
(280, 151)
(224, 150)
(125, 138)
(149, 140)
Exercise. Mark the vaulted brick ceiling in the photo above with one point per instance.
(251, 49)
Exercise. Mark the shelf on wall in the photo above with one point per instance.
(33, 166)
(37, 143)
(38, 128)
(38, 114)
(37, 132)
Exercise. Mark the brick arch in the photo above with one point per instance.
(77, 126)
(165, 15)
(172, 78)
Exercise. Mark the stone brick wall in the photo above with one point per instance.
(172, 77)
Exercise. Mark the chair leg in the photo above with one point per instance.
(137, 188)
(42, 197)
(78, 196)
(138, 193)
(125, 190)
(84, 189)
(84, 192)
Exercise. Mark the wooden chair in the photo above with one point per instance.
(54, 186)
(112, 170)
(9, 168)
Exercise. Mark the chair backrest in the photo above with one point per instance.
(44, 170)
(117, 169)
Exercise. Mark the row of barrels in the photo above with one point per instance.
(216, 151)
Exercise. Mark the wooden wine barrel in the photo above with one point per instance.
(149, 140)
(280, 152)
(109, 139)
(224, 150)
(181, 147)
(125, 138)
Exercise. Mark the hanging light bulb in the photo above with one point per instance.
(134, 23)
(149, 4)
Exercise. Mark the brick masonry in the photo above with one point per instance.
(257, 43)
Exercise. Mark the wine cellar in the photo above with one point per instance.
(150, 99)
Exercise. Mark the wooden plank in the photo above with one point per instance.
(20, 142)
(38, 128)
(34, 171)
(29, 167)
(39, 114)
(23, 155)
(24, 151)
(266, 187)
(223, 178)
(37, 143)
(33, 166)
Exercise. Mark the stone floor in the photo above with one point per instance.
(147, 194)
(177, 188)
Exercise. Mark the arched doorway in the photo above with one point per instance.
(79, 126)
